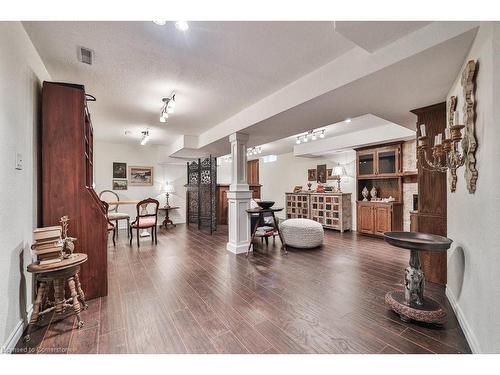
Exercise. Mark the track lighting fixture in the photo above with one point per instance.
(313, 134)
(145, 137)
(254, 151)
(167, 108)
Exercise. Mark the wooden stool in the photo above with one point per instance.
(58, 275)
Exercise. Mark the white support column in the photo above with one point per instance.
(238, 196)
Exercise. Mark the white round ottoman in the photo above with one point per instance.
(302, 233)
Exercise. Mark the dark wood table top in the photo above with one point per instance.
(74, 260)
(168, 208)
(418, 241)
(258, 210)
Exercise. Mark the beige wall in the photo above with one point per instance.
(21, 76)
(473, 219)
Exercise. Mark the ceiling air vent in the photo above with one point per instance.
(86, 55)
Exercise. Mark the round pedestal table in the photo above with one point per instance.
(410, 303)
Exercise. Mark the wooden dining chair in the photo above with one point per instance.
(145, 220)
(111, 226)
(113, 214)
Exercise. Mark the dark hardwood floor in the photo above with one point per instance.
(189, 295)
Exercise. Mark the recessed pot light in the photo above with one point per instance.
(348, 120)
(160, 23)
(181, 25)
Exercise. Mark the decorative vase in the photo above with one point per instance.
(373, 192)
(365, 193)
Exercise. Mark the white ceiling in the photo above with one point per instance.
(373, 35)
(270, 80)
(356, 125)
(216, 68)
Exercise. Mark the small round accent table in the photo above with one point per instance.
(58, 274)
(410, 303)
(261, 212)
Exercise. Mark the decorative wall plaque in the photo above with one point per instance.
(452, 105)
(469, 142)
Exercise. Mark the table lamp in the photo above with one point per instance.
(168, 189)
(339, 171)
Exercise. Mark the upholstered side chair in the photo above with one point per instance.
(147, 217)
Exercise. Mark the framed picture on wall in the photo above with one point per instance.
(330, 176)
(311, 175)
(120, 184)
(119, 170)
(321, 173)
(140, 176)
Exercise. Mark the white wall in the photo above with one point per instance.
(473, 219)
(288, 171)
(21, 76)
(105, 153)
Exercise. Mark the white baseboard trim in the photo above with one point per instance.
(466, 328)
(16, 334)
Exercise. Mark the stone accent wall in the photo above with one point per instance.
(409, 164)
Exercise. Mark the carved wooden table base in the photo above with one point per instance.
(411, 304)
(58, 279)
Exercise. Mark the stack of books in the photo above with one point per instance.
(48, 245)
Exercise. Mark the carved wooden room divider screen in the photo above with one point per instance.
(201, 193)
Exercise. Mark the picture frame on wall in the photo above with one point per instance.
(140, 176)
(119, 170)
(321, 173)
(311, 175)
(120, 185)
(330, 176)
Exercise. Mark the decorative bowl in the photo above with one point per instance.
(265, 204)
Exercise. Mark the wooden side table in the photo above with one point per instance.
(167, 220)
(58, 275)
(261, 212)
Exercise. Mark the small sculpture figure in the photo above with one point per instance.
(365, 193)
(414, 286)
(373, 192)
(68, 245)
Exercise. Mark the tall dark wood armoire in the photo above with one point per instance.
(67, 179)
(431, 214)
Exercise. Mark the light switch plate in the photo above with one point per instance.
(19, 161)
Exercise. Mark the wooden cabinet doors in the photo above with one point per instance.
(383, 219)
(375, 218)
(222, 209)
(382, 161)
(366, 222)
(388, 161)
(366, 163)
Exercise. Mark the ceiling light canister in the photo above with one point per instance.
(181, 25)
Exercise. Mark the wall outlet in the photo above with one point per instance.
(19, 161)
